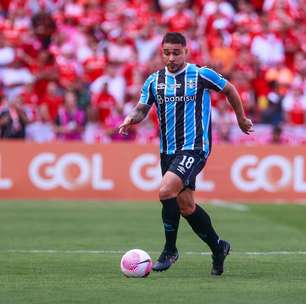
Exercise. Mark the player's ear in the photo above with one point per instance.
(161, 50)
(186, 51)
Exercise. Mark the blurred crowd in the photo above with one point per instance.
(72, 69)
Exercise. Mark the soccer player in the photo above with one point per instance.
(181, 93)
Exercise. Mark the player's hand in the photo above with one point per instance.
(125, 126)
(246, 125)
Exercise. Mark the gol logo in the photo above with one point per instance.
(250, 174)
(69, 171)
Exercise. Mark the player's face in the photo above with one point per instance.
(174, 56)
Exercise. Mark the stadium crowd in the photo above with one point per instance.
(72, 69)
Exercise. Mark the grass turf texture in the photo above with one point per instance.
(74, 273)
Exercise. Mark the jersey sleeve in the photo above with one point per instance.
(147, 96)
(212, 79)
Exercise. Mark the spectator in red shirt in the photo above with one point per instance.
(53, 99)
(116, 82)
(104, 102)
(180, 18)
(294, 104)
(45, 70)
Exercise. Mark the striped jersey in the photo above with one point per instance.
(183, 105)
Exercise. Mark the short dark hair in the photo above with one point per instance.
(174, 38)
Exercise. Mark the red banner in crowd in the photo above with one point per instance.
(129, 171)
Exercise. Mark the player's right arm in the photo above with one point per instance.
(216, 82)
(245, 124)
(134, 117)
(141, 110)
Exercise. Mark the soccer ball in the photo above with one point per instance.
(136, 263)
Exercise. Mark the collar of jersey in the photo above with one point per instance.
(178, 72)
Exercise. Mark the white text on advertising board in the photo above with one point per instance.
(90, 171)
(258, 177)
(248, 173)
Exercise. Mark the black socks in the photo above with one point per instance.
(200, 223)
(171, 219)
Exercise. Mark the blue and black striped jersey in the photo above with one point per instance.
(183, 106)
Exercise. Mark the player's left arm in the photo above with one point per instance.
(234, 99)
(134, 117)
(142, 108)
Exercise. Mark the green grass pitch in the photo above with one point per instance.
(69, 252)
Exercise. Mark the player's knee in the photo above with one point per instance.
(186, 210)
(165, 192)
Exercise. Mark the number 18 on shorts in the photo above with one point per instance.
(185, 164)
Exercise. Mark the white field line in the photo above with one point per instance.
(229, 205)
(54, 251)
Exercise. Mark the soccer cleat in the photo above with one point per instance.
(165, 260)
(218, 259)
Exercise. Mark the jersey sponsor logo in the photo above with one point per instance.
(162, 86)
(161, 99)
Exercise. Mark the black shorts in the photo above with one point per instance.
(185, 164)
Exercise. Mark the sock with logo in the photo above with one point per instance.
(171, 219)
(201, 224)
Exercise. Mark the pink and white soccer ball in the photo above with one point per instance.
(136, 263)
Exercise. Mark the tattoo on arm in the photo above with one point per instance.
(139, 113)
